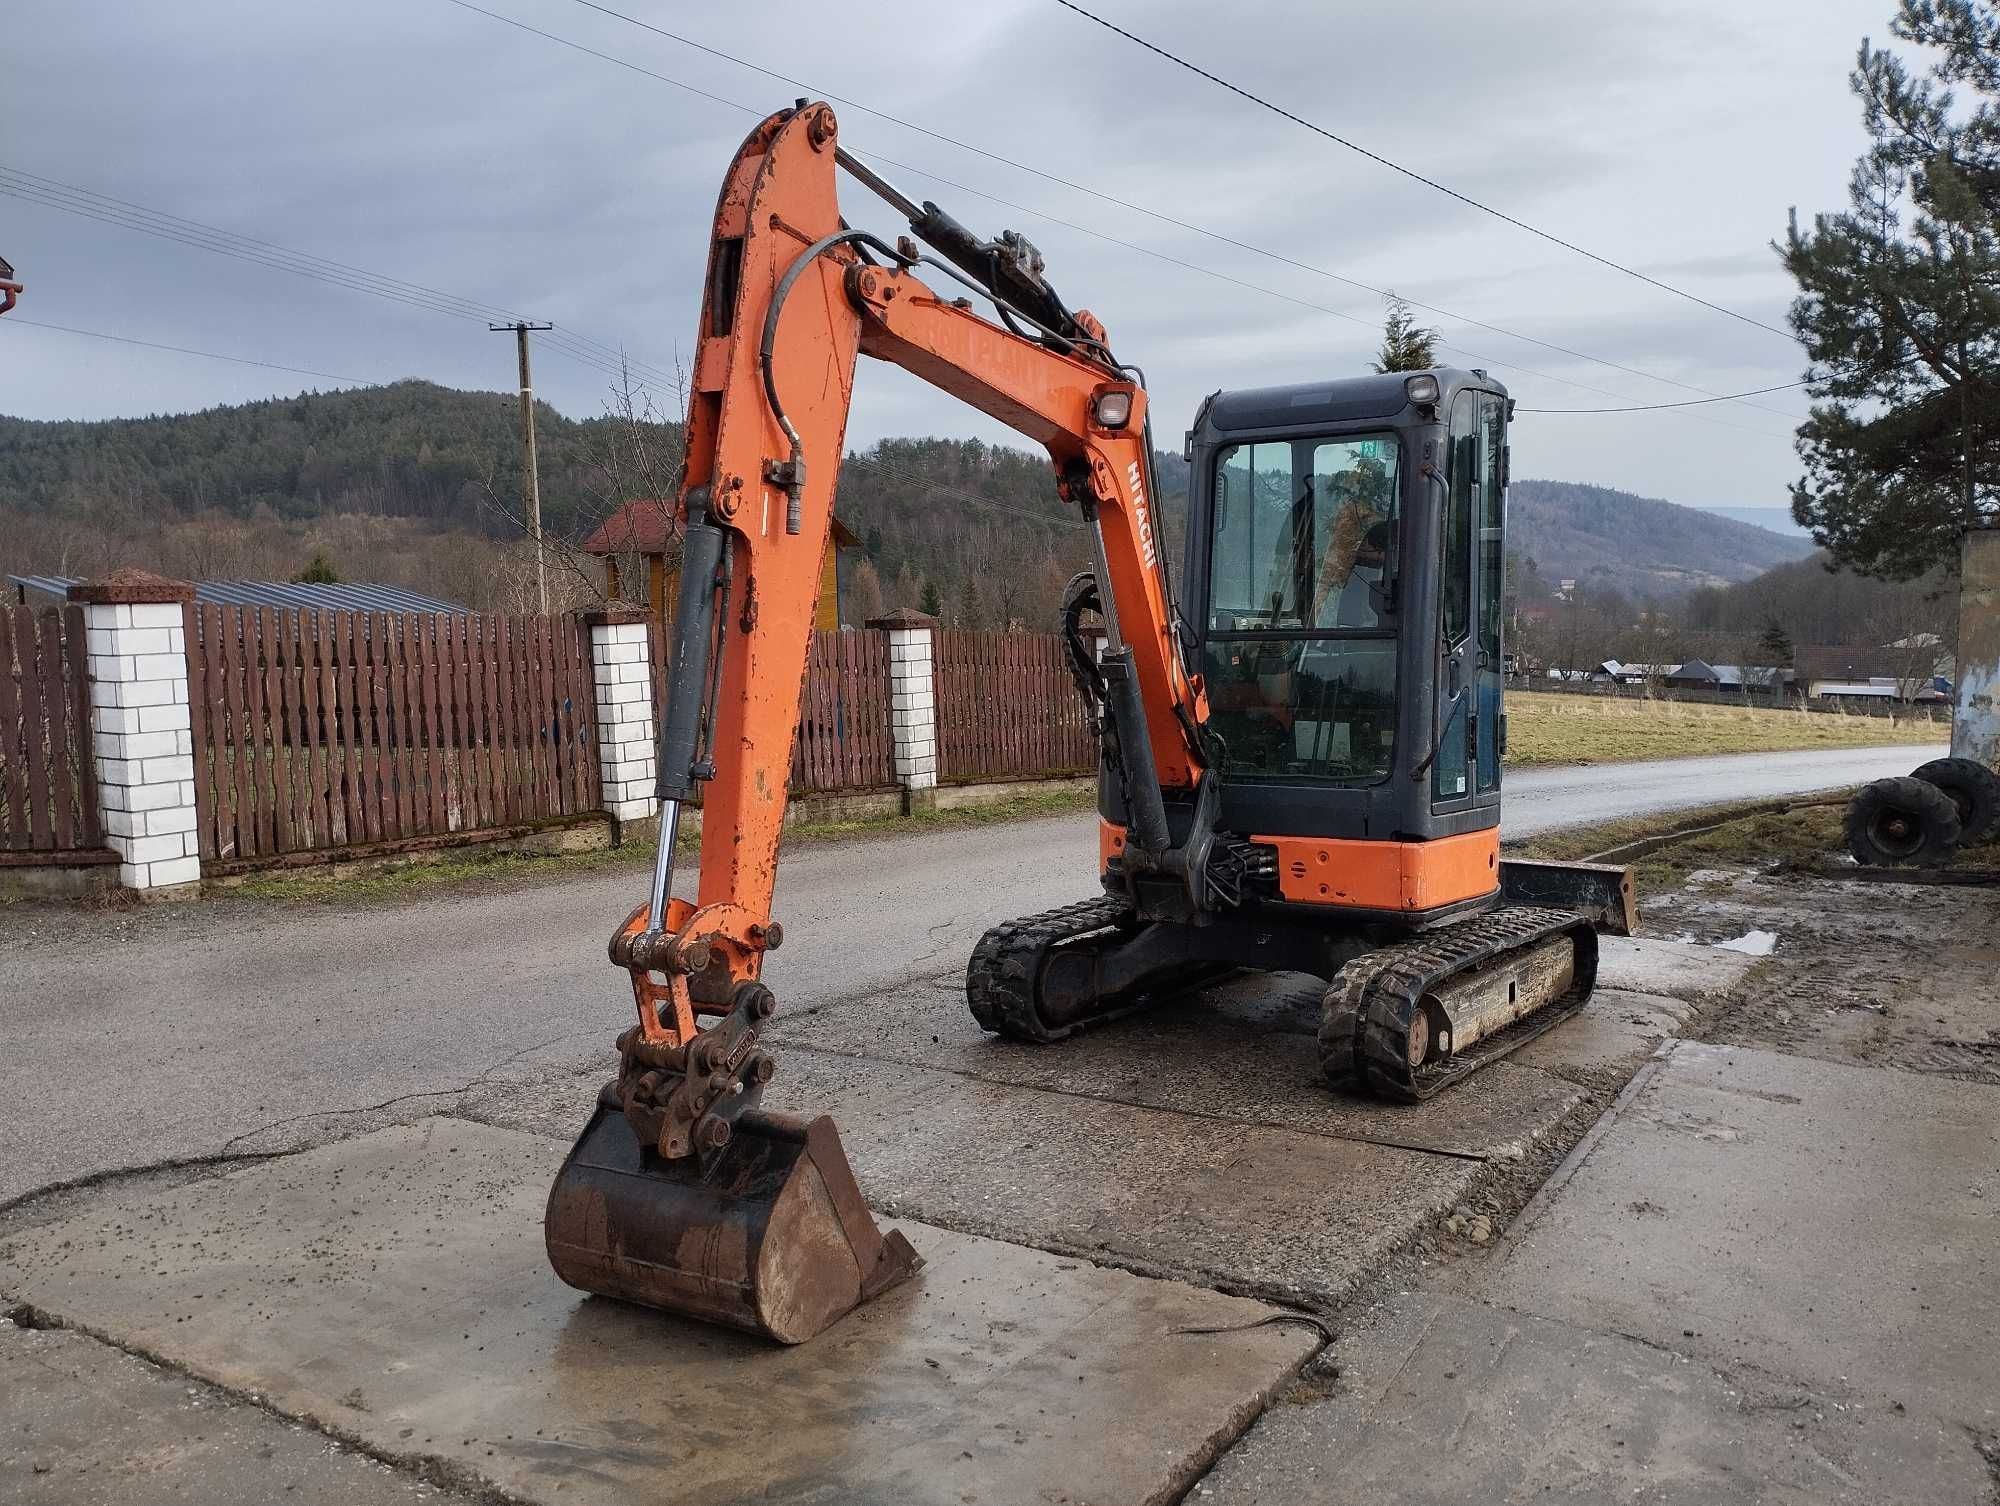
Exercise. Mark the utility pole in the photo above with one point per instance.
(529, 468)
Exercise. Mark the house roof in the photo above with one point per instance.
(1728, 674)
(645, 525)
(1645, 671)
(1756, 674)
(1852, 663)
(353, 596)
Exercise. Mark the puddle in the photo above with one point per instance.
(1751, 944)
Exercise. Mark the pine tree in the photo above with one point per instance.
(1775, 644)
(319, 573)
(932, 605)
(1406, 345)
(1899, 306)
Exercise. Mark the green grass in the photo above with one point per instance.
(1545, 730)
(398, 879)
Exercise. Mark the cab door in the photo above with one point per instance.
(1455, 712)
(1489, 593)
(1465, 774)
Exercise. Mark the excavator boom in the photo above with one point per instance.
(682, 1193)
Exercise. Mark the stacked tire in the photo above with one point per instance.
(1922, 819)
(1974, 791)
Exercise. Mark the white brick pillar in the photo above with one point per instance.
(625, 736)
(912, 704)
(140, 727)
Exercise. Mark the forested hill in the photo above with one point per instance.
(1642, 546)
(410, 449)
(419, 485)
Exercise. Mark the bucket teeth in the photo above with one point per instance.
(770, 1235)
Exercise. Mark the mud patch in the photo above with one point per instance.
(1877, 976)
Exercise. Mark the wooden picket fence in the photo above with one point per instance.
(48, 776)
(326, 729)
(844, 742)
(1007, 708)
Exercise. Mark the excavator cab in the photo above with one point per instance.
(1351, 546)
(1301, 752)
(1342, 592)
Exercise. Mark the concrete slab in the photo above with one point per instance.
(1611, 1035)
(82, 1422)
(1265, 1212)
(394, 1286)
(1245, 1052)
(1677, 969)
(1446, 1401)
(1834, 1224)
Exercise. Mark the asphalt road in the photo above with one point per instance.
(234, 1025)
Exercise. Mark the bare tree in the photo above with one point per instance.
(640, 459)
(864, 593)
(1915, 636)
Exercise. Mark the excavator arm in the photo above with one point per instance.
(679, 1149)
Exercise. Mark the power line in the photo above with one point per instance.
(136, 222)
(613, 361)
(1109, 198)
(185, 350)
(107, 209)
(1473, 357)
(616, 362)
(1418, 177)
(1691, 403)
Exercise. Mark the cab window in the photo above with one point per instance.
(1299, 647)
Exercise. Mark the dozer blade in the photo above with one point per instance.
(773, 1237)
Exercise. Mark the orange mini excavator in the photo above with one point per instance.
(1301, 756)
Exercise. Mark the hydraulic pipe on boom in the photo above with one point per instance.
(682, 1192)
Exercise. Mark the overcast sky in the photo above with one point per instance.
(419, 141)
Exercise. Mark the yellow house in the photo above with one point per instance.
(645, 527)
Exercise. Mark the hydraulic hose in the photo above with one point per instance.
(792, 475)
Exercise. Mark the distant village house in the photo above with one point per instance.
(642, 533)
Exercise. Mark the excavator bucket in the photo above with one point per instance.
(769, 1234)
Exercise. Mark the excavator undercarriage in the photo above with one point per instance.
(1300, 753)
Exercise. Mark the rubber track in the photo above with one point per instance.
(1000, 979)
(1364, 1029)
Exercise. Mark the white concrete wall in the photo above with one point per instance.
(625, 735)
(145, 750)
(913, 707)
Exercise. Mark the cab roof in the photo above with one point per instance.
(1346, 400)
